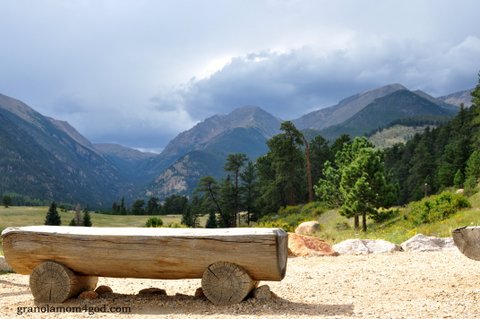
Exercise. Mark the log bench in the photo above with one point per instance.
(467, 240)
(63, 261)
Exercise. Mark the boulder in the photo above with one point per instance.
(421, 242)
(307, 228)
(365, 246)
(153, 291)
(4, 266)
(88, 295)
(262, 293)
(300, 245)
(103, 290)
(199, 293)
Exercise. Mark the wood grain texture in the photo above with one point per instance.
(52, 282)
(467, 240)
(160, 253)
(224, 283)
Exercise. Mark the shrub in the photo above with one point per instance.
(176, 225)
(342, 226)
(289, 210)
(436, 208)
(314, 209)
(382, 215)
(278, 224)
(154, 222)
(289, 217)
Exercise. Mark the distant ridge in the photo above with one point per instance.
(401, 104)
(458, 98)
(49, 160)
(344, 110)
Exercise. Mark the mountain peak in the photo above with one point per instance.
(458, 98)
(345, 109)
(205, 131)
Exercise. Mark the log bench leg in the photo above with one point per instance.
(53, 282)
(225, 283)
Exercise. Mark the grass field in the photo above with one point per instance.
(23, 216)
(16, 216)
(398, 229)
(395, 230)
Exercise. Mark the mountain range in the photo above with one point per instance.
(41, 157)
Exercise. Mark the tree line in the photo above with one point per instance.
(53, 218)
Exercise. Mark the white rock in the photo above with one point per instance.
(421, 242)
(3, 265)
(351, 247)
(306, 228)
(365, 246)
(379, 246)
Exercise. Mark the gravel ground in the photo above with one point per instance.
(400, 285)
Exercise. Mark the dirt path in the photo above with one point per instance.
(400, 285)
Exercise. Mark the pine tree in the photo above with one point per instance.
(359, 182)
(228, 203)
(320, 153)
(52, 217)
(458, 179)
(153, 206)
(472, 172)
(188, 216)
(282, 169)
(233, 164)
(87, 221)
(7, 201)
(249, 191)
(212, 220)
(122, 208)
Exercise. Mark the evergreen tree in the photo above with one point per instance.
(72, 222)
(327, 187)
(188, 216)
(52, 217)
(320, 153)
(249, 191)
(282, 169)
(271, 195)
(137, 207)
(472, 172)
(458, 179)
(115, 208)
(212, 220)
(234, 164)
(208, 187)
(228, 199)
(87, 221)
(360, 181)
(175, 204)
(6, 200)
(122, 208)
(153, 206)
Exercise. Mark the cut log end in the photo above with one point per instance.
(53, 282)
(467, 240)
(225, 283)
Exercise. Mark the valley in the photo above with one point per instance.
(47, 159)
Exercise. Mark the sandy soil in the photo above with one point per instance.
(400, 285)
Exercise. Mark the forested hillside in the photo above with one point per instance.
(439, 158)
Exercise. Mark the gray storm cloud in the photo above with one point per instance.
(139, 72)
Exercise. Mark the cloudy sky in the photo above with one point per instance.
(139, 72)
